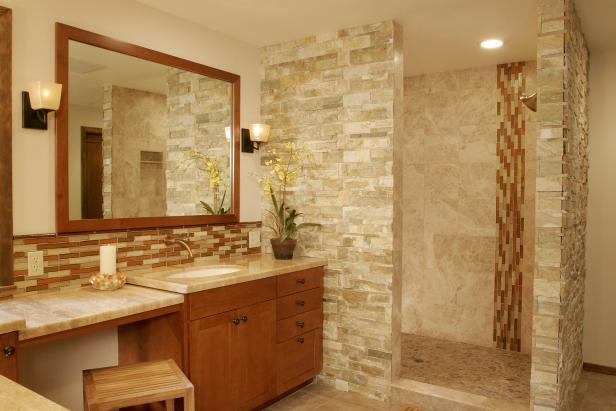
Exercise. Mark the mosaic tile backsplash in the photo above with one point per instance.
(69, 259)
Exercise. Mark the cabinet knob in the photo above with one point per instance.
(300, 302)
(301, 281)
(236, 321)
(300, 340)
(300, 324)
(9, 350)
(244, 318)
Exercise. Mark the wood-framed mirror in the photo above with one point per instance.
(6, 179)
(143, 138)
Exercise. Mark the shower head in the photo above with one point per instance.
(530, 101)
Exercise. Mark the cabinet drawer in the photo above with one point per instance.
(299, 324)
(220, 300)
(298, 360)
(300, 281)
(300, 303)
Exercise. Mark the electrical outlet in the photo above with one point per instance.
(35, 263)
(254, 239)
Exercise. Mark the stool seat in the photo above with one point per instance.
(136, 384)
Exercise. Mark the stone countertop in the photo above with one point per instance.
(53, 312)
(10, 322)
(16, 397)
(252, 267)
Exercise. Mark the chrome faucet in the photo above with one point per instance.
(183, 241)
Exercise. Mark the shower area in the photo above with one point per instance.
(468, 216)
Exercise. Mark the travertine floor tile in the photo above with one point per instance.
(596, 392)
(318, 397)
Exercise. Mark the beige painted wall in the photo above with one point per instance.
(33, 59)
(448, 206)
(79, 117)
(33, 151)
(600, 304)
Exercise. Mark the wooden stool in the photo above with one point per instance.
(137, 384)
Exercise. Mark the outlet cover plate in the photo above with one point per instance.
(254, 239)
(35, 263)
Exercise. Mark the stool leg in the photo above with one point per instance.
(170, 405)
(189, 400)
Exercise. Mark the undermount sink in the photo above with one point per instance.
(205, 272)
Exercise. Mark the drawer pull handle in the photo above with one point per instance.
(300, 340)
(244, 318)
(300, 302)
(9, 350)
(300, 324)
(236, 321)
(301, 281)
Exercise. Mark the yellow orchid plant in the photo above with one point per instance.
(212, 166)
(284, 168)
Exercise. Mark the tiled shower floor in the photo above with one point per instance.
(488, 372)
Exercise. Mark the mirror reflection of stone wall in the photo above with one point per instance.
(152, 117)
(199, 109)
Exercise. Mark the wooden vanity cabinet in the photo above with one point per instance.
(8, 355)
(254, 341)
(232, 358)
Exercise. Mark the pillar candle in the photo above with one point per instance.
(108, 259)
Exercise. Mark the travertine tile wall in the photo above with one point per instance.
(133, 121)
(449, 230)
(199, 109)
(337, 93)
(562, 156)
(70, 259)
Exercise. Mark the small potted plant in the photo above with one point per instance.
(284, 167)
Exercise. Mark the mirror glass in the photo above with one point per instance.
(145, 139)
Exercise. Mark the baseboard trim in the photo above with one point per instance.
(601, 369)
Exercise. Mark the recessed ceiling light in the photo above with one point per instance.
(491, 44)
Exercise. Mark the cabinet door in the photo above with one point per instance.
(211, 361)
(254, 361)
(8, 355)
(298, 360)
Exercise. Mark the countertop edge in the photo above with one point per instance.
(13, 391)
(11, 323)
(142, 279)
(28, 332)
(41, 331)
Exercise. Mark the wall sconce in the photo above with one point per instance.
(41, 98)
(253, 138)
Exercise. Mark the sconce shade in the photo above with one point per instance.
(44, 95)
(228, 133)
(259, 132)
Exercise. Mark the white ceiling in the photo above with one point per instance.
(599, 23)
(439, 35)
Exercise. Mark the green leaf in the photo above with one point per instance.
(224, 195)
(207, 207)
(274, 202)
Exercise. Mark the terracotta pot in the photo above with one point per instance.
(283, 250)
